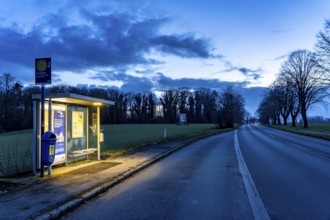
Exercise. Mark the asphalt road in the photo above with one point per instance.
(200, 181)
(291, 172)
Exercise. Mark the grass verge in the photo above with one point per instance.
(120, 139)
(314, 130)
(16, 147)
(15, 152)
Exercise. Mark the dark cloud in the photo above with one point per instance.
(164, 82)
(250, 74)
(160, 82)
(99, 40)
(130, 83)
(187, 46)
(282, 57)
(100, 76)
(92, 86)
(135, 84)
(254, 74)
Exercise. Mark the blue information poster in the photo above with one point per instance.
(59, 130)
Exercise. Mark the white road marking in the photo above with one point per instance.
(296, 145)
(257, 206)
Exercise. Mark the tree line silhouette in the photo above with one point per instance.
(201, 105)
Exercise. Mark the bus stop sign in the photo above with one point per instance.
(43, 71)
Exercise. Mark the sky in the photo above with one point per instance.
(154, 45)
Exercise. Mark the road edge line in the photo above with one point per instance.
(257, 206)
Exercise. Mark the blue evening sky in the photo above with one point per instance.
(152, 45)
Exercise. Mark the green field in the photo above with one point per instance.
(314, 130)
(15, 152)
(121, 138)
(319, 127)
(16, 147)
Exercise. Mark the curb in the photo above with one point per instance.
(56, 213)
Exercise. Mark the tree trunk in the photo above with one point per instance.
(278, 120)
(285, 121)
(304, 115)
(274, 120)
(293, 118)
(285, 118)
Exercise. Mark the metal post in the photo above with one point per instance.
(34, 142)
(87, 132)
(42, 124)
(50, 128)
(98, 133)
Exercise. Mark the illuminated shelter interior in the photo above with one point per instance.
(75, 119)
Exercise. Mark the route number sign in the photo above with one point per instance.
(43, 68)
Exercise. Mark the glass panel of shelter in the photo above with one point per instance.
(77, 138)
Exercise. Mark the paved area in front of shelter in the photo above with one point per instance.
(48, 197)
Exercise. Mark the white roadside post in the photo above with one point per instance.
(165, 133)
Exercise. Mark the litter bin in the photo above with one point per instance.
(48, 142)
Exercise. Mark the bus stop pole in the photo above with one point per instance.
(50, 127)
(35, 136)
(98, 133)
(42, 124)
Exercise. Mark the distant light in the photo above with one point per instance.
(97, 103)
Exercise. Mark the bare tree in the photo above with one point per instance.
(198, 105)
(285, 100)
(268, 109)
(210, 104)
(6, 84)
(151, 104)
(116, 113)
(294, 107)
(323, 48)
(231, 108)
(247, 117)
(191, 108)
(303, 73)
(277, 100)
(169, 100)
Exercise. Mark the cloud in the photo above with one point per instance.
(160, 82)
(250, 74)
(135, 84)
(186, 46)
(164, 82)
(276, 30)
(129, 83)
(110, 39)
(100, 76)
(285, 56)
(254, 74)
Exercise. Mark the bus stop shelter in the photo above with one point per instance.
(75, 119)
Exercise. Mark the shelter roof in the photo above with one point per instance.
(72, 98)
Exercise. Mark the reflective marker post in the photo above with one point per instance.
(165, 133)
